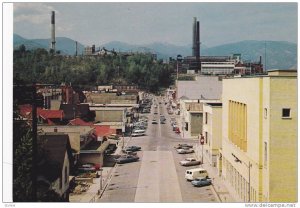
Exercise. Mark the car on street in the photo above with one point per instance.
(181, 146)
(126, 159)
(129, 152)
(139, 131)
(154, 121)
(202, 181)
(137, 134)
(133, 148)
(184, 151)
(190, 161)
(89, 167)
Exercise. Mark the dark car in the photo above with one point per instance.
(154, 121)
(127, 159)
(133, 148)
(199, 182)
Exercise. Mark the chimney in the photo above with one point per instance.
(76, 48)
(259, 59)
(53, 31)
(198, 45)
(194, 36)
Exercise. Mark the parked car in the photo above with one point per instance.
(138, 131)
(180, 146)
(137, 134)
(184, 151)
(126, 159)
(154, 121)
(89, 167)
(129, 152)
(133, 148)
(192, 174)
(203, 181)
(190, 161)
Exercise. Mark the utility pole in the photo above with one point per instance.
(34, 144)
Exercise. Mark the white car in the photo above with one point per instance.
(184, 151)
(190, 161)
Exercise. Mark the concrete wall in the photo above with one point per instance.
(196, 123)
(280, 170)
(271, 153)
(109, 115)
(236, 174)
(212, 129)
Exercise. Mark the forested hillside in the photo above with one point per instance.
(43, 67)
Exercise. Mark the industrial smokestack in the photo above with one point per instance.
(259, 59)
(197, 52)
(76, 48)
(198, 46)
(194, 36)
(53, 31)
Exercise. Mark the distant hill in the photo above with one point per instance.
(280, 54)
(65, 45)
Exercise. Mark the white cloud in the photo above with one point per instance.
(35, 13)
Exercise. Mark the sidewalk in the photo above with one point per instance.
(217, 182)
(94, 192)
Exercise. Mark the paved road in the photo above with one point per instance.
(157, 176)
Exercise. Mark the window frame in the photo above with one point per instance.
(282, 113)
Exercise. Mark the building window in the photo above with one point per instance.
(265, 113)
(265, 154)
(186, 126)
(237, 124)
(286, 113)
(205, 117)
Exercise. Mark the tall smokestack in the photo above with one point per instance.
(76, 48)
(53, 31)
(198, 46)
(194, 36)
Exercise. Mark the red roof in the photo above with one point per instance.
(46, 114)
(25, 111)
(103, 130)
(79, 122)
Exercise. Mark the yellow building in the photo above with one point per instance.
(259, 141)
(212, 132)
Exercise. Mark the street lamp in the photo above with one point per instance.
(249, 165)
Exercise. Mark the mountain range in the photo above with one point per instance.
(279, 54)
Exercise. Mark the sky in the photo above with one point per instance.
(144, 23)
